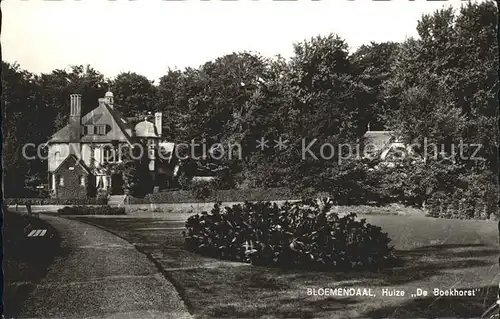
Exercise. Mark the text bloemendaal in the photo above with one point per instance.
(341, 292)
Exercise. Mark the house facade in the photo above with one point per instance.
(81, 153)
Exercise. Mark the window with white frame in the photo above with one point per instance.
(82, 180)
(61, 181)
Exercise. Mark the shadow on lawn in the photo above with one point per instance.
(428, 261)
(422, 263)
(286, 308)
(444, 307)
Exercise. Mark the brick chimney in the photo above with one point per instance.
(158, 122)
(75, 125)
(75, 117)
(101, 101)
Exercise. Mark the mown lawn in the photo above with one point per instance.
(437, 254)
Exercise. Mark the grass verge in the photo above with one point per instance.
(25, 259)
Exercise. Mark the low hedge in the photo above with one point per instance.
(230, 195)
(90, 210)
(23, 201)
(460, 205)
(302, 234)
(56, 201)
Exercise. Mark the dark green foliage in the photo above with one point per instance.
(476, 196)
(349, 183)
(301, 234)
(134, 94)
(185, 181)
(202, 190)
(373, 65)
(102, 194)
(137, 181)
(91, 210)
(444, 190)
(135, 173)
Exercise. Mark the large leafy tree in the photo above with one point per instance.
(218, 102)
(59, 84)
(439, 90)
(325, 102)
(172, 99)
(134, 94)
(443, 95)
(22, 107)
(374, 65)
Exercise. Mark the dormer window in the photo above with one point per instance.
(90, 129)
(96, 129)
(101, 129)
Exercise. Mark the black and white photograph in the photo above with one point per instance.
(250, 159)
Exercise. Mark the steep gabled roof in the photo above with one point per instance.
(118, 123)
(102, 113)
(77, 161)
(61, 136)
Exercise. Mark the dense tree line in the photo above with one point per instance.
(441, 86)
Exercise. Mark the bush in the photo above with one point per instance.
(89, 210)
(224, 179)
(185, 182)
(102, 194)
(469, 203)
(463, 194)
(302, 234)
(202, 190)
(349, 183)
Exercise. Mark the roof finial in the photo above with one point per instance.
(368, 126)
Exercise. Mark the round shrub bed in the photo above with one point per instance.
(294, 235)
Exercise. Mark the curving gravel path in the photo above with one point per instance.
(100, 275)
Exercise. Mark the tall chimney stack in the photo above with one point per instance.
(75, 116)
(158, 122)
(75, 125)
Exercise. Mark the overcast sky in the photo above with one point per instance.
(148, 36)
